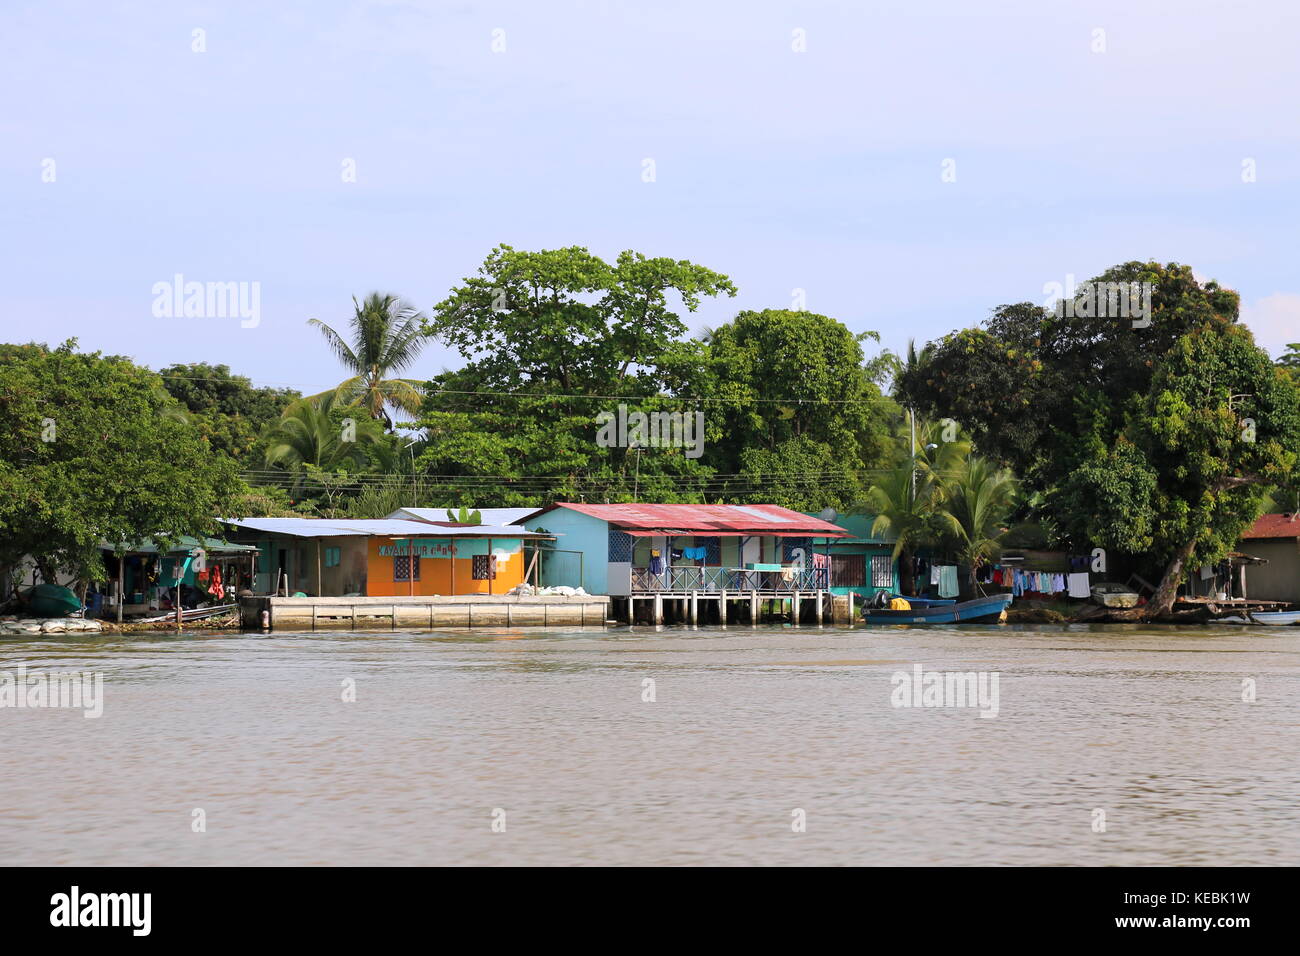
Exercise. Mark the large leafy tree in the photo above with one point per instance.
(385, 338)
(92, 450)
(226, 409)
(565, 320)
(796, 411)
(552, 339)
(1123, 424)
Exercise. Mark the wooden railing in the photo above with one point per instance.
(698, 578)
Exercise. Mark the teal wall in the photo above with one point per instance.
(576, 531)
(866, 550)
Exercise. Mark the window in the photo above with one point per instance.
(483, 567)
(402, 567)
(882, 571)
(333, 557)
(848, 571)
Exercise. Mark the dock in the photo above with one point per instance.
(465, 610)
(715, 606)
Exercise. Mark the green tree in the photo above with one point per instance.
(552, 340)
(226, 409)
(92, 451)
(322, 433)
(977, 504)
(903, 500)
(797, 415)
(1124, 424)
(386, 337)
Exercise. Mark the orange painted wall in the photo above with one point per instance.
(436, 573)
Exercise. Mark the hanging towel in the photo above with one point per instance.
(935, 570)
(1079, 587)
(948, 581)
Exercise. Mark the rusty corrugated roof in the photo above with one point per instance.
(1275, 526)
(706, 519)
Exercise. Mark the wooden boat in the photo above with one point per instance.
(193, 613)
(976, 611)
(1113, 595)
(1276, 618)
(52, 600)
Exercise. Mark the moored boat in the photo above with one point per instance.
(1276, 618)
(1109, 594)
(975, 611)
(52, 600)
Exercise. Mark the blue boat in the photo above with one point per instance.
(976, 611)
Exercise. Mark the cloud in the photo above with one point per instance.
(1275, 320)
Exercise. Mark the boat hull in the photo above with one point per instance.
(1276, 618)
(52, 600)
(977, 611)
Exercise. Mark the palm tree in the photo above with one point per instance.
(309, 433)
(387, 337)
(976, 505)
(903, 513)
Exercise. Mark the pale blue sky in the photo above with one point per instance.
(818, 170)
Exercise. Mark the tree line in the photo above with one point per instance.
(1038, 426)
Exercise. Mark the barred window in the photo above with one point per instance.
(882, 571)
(402, 567)
(483, 567)
(848, 571)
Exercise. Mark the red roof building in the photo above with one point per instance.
(710, 520)
(1275, 539)
(631, 548)
(1275, 526)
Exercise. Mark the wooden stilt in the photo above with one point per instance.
(753, 607)
(722, 608)
(695, 608)
(796, 605)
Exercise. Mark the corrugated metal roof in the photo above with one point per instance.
(1275, 526)
(492, 516)
(184, 545)
(859, 527)
(367, 527)
(706, 519)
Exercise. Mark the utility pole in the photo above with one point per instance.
(911, 414)
(636, 485)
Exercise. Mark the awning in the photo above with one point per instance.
(184, 545)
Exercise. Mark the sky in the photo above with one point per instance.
(902, 167)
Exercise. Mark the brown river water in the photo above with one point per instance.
(548, 733)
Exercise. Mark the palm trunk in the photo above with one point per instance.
(905, 582)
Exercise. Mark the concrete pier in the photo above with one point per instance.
(464, 610)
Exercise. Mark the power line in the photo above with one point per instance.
(685, 399)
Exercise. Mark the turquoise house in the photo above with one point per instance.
(630, 549)
(863, 563)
